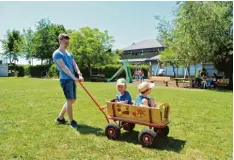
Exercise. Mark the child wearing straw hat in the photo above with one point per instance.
(143, 99)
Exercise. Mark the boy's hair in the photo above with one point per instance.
(63, 36)
(144, 91)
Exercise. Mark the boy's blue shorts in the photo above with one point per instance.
(69, 88)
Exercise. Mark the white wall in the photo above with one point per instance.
(3, 70)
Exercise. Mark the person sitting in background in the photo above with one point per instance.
(204, 79)
(214, 81)
(161, 71)
(198, 78)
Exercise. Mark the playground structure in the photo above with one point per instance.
(127, 70)
(128, 115)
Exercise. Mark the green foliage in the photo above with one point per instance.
(12, 44)
(201, 32)
(45, 39)
(38, 70)
(92, 48)
(53, 71)
(28, 44)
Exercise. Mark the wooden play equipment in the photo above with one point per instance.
(126, 116)
(127, 70)
(165, 80)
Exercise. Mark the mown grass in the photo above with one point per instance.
(200, 128)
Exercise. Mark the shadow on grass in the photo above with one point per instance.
(161, 143)
(167, 143)
(85, 129)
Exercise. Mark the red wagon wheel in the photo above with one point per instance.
(112, 131)
(146, 137)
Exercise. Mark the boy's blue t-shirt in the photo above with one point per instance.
(125, 97)
(67, 59)
(140, 98)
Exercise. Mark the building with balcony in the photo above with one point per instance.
(144, 52)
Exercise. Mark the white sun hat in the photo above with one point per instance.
(121, 82)
(145, 86)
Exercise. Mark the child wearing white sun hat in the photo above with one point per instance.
(143, 99)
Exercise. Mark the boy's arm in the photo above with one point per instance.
(65, 69)
(77, 70)
(75, 66)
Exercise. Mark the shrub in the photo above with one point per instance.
(53, 71)
(38, 70)
(20, 70)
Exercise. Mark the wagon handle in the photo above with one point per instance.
(93, 100)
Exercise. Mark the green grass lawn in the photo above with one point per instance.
(200, 128)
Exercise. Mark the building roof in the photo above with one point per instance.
(155, 58)
(150, 43)
(135, 60)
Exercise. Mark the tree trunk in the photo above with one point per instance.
(90, 71)
(173, 66)
(41, 61)
(188, 69)
(15, 69)
(174, 71)
(10, 57)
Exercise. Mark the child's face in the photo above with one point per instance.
(149, 91)
(121, 88)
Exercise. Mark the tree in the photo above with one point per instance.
(202, 32)
(92, 48)
(12, 45)
(169, 58)
(45, 39)
(28, 44)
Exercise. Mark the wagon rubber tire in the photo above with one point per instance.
(146, 137)
(128, 126)
(112, 131)
(163, 132)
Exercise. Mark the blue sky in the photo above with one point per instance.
(127, 22)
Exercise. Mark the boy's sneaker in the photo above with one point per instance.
(61, 121)
(74, 124)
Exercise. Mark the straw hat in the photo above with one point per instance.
(145, 86)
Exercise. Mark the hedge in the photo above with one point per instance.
(19, 70)
(42, 70)
(109, 70)
(38, 70)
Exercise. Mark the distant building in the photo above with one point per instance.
(145, 51)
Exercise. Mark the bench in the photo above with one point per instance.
(160, 79)
(184, 81)
(222, 83)
(98, 78)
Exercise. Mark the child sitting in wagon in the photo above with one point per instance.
(143, 99)
(122, 96)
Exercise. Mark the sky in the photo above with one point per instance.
(127, 22)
